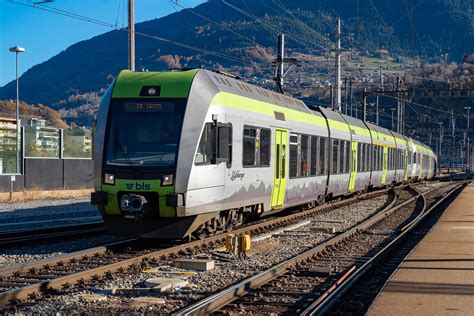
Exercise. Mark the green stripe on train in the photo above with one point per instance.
(112, 207)
(173, 84)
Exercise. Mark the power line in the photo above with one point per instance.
(215, 23)
(418, 104)
(386, 26)
(109, 25)
(282, 7)
(268, 25)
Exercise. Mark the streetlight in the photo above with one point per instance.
(468, 150)
(17, 50)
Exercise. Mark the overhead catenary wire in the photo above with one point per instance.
(286, 10)
(216, 23)
(112, 26)
(268, 25)
(418, 104)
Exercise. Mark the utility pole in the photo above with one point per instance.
(468, 108)
(398, 106)
(377, 100)
(279, 63)
(364, 104)
(393, 126)
(337, 85)
(468, 151)
(131, 35)
(350, 92)
(345, 95)
(441, 132)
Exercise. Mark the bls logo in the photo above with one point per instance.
(138, 186)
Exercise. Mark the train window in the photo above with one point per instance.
(293, 156)
(374, 159)
(348, 156)
(390, 158)
(383, 163)
(314, 155)
(364, 158)
(265, 143)
(322, 155)
(359, 155)
(206, 149)
(369, 153)
(381, 158)
(341, 157)
(335, 149)
(249, 141)
(256, 147)
(304, 168)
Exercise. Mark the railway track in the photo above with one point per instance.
(14, 237)
(303, 284)
(27, 282)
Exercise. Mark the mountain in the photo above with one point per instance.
(73, 79)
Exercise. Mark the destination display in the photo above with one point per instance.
(148, 106)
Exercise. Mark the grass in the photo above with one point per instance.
(39, 194)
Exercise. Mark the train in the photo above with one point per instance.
(189, 153)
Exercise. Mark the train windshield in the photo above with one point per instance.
(144, 133)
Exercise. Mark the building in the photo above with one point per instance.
(7, 145)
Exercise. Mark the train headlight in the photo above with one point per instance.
(109, 178)
(167, 180)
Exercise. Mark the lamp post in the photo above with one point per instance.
(468, 151)
(17, 50)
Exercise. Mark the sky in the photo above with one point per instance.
(45, 34)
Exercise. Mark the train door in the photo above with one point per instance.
(353, 167)
(280, 174)
(384, 164)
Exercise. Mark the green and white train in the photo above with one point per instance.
(193, 152)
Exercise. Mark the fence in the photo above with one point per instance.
(50, 159)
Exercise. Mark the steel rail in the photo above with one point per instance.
(37, 289)
(327, 300)
(220, 299)
(19, 236)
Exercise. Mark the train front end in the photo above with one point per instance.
(138, 133)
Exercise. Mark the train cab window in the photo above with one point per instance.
(335, 150)
(206, 149)
(314, 156)
(256, 147)
(293, 156)
(212, 148)
(322, 155)
(304, 163)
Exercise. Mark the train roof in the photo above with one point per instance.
(229, 84)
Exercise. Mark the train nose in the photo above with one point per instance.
(133, 203)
